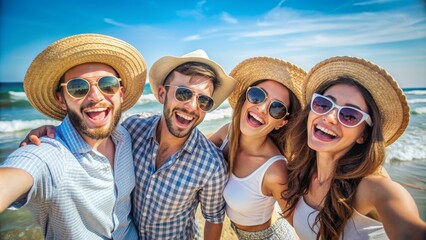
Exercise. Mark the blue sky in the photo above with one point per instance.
(391, 33)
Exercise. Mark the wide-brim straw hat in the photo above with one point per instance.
(162, 67)
(254, 69)
(386, 92)
(42, 78)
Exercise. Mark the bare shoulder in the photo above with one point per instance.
(218, 137)
(276, 173)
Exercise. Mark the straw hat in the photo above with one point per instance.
(42, 78)
(254, 69)
(385, 91)
(162, 67)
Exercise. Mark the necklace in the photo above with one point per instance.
(322, 182)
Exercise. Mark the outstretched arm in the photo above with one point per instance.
(14, 183)
(395, 207)
(34, 135)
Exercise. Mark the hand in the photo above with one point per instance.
(35, 134)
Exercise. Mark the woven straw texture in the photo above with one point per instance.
(43, 75)
(390, 99)
(266, 68)
(162, 67)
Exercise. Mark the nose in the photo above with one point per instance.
(331, 116)
(263, 107)
(94, 94)
(192, 102)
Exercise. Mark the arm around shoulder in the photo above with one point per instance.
(395, 207)
(14, 183)
(218, 137)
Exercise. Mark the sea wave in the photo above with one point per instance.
(219, 114)
(410, 146)
(420, 110)
(146, 98)
(417, 100)
(415, 92)
(19, 125)
(17, 96)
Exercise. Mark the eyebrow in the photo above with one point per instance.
(349, 105)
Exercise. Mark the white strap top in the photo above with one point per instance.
(245, 203)
(357, 227)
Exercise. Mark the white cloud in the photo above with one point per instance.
(365, 3)
(115, 23)
(227, 18)
(192, 38)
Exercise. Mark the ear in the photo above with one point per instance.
(161, 94)
(122, 90)
(61, 100)
(361, 139)
(281, 124)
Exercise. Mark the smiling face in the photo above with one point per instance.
(96, 115)
(326, 133)
(182, 117)
(255, 119)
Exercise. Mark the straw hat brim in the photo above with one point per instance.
(386, 92)
(254, 69)
(42, 78)
(162, 67)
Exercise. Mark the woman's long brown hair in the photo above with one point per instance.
(277, 136)
(360, 161)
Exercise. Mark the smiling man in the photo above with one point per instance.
(78, 184)
(176, 167)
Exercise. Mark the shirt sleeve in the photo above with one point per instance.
(211, 196)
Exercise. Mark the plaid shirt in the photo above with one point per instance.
(76, 194)
(165, 200)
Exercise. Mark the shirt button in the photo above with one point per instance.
(148, 196)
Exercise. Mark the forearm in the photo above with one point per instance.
(14, 183)
(212, 231)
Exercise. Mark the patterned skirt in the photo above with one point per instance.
(280, 230)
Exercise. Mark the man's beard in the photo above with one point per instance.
(94, 133)
(168, 117)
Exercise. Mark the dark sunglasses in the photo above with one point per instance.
(257, 95)
(347, 116)
(184, 94)
(80, 87)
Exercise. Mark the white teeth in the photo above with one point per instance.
(257, 117)
(329, 132)
(96, 110)
(189, 118)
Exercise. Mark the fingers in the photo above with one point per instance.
(35, 134)
(35, 140)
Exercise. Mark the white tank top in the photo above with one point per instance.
(357, 227)
(245, 203)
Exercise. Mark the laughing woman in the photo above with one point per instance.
(336, 188)
(266, 98)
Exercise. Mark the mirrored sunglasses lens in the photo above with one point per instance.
(78, 88)
(183, 94)
(277, 110)
(349, 116)
(255, 95)
(321, 105)
(205, 103)
(108, 85)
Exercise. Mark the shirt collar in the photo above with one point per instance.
(67, 133)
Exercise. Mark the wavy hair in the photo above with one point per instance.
(277, 136)
(360, 161)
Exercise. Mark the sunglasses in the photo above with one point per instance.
(184, 94)
(79, 87)
(257, 95)
(347, 116)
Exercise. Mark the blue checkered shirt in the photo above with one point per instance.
(75, 194)
(165, 201)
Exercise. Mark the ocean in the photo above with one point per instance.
(405, 161)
